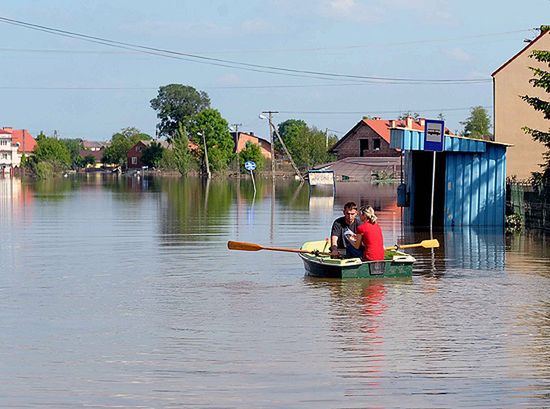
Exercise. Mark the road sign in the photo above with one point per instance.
(250, 165)
(434, 135)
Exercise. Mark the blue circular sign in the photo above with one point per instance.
(250, 165)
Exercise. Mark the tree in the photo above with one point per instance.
(477, 124)
(74, 146)
(541, 79)
(404, 115)
(53, 151)
(215, 129)
(88, 160)
(152, 155)
(290, 131)
(183, 157)
(251, 152)
(121, 143)
(175, 104)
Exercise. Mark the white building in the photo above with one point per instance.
(9, 155)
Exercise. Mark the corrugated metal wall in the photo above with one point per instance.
(475, 174)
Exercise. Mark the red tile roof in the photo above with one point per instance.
(27, 144)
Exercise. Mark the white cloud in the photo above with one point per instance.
(367, 10)
(229, 80)
(458, 54)
(256, 25)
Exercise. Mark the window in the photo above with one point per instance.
(376, 144)
(134, 160)
(4, 156)
(3, 142)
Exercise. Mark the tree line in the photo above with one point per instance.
(189, 124)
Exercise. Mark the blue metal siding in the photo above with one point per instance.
(476, 188)
(410, 140)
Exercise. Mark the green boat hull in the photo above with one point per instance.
(395, 264)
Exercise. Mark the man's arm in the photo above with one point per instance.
(335, 232)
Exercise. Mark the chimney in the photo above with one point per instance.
(392, 123)
(251, 133)
(409, 122)
(422, 122)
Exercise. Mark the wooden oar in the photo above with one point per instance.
(241, 245)
(427, 244)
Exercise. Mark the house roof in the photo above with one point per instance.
(93, 144)
(97, 155)
(524, 49)
(24, 139)
(162, 143)
(382, 127)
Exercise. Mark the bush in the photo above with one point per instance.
(43, 170)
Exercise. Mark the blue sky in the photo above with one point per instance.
(89, 90)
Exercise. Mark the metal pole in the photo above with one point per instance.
(208, 175)
(253, 182)
(433, 194)
(270, 118)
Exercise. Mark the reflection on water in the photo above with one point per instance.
(120, 292)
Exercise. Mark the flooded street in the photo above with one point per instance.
(121, 293)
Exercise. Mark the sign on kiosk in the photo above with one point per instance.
(434, 135)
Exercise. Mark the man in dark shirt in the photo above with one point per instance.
(342, 228)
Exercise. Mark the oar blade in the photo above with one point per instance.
(244, 246)
(430, 244)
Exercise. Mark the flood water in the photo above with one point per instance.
(119, 292)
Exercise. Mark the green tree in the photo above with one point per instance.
(152, 155)
(88, 160)
(290, 131)
(541, 79)
(251, 152)
(307, 146)
(312, 149)
(175, 104)
(219, 141)
(477, 124)
(183, 157)
(404, 115)
(74, 146)
(53, 151)
(121, 143)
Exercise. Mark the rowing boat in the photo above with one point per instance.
(395, 264)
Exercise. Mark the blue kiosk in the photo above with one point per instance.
(470, 180)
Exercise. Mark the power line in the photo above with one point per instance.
(304, 49)
(235, 64)
(378, 112)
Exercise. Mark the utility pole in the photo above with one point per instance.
(270, 117)
(236, 127)
(288, 154)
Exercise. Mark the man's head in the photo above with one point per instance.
(350, 212)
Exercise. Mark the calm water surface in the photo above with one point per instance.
(121, 293)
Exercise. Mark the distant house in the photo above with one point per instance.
(136, 152)
(94, 145)
(241, 138)
(371, 138)
(24, 141)
(14, 143)
(511, 113)
(96, 154)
